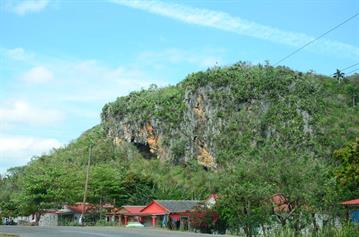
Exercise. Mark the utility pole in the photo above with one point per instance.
(86, 186)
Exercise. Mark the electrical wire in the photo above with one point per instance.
(352, 71)
(343, 69)
(313, 40)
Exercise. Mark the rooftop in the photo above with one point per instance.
(178, 205)
(351, 202)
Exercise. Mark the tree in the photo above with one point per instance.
(353, 91)
(339, 75)
(48, 184)
(206, 220)
(9, 186)
(106, 183)
(138, 189)
(347, 171)
(248, 189)
(244, 202)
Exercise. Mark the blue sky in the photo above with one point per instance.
(61, 61)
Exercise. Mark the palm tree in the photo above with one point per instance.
(339, 75)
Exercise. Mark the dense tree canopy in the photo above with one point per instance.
(347, 171)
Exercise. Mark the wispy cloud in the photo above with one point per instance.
(224, 21)
(21, 115)
(90, 81)
(16, 54)
(25, 143)
(26, 6)
(18, 150)
(38, 74)
(18, 112)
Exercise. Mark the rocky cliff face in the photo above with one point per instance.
(222, 114)
(191, 138)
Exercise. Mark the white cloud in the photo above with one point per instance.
(14, 144)
(27, 6)
(18, 150)
(80, 90)
(224, 21)
(39, 74)
(16, 54)
(21, 112)
(77, 81)
(100, 83)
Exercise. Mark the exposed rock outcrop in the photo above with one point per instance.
(220, 115)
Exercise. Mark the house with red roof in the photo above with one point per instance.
(174, 213)
(79, 206)
(171, 213)
(354, 202)
(165, 213)
(68, 214)
(127, 213)
(352, 207)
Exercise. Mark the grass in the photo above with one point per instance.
(7, 235)
(345, 231)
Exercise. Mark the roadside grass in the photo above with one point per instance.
(345, 231)
(7, 235)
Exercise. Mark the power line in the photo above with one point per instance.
(353, 71)
(343, 69)
(313, 40)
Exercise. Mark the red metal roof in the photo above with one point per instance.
(154, 208)
(134, 209)
(77, 208)
(351, 202)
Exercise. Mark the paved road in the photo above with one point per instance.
(61, 231)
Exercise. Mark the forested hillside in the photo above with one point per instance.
(244, 131)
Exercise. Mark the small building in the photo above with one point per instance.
(130, 214)
(172, 213)
(68, 214)
(110, 211)
(77, 209)
(55, 217)
(352, 207)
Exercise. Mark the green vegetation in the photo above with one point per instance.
(347, 171)
(345, 231)
(165, 104)
(270, 130)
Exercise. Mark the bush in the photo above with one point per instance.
(344, 231)
(105, 223)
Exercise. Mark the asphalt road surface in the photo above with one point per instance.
(62, 231)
